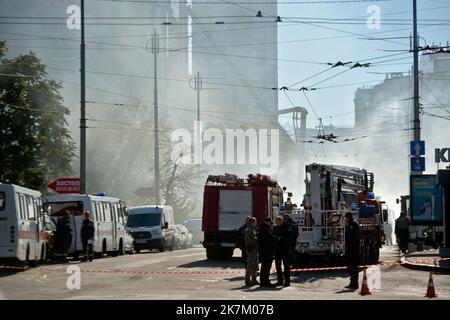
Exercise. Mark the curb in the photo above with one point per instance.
(424, 267)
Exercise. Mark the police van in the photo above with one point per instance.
(107, 213)
(152, 227)
(22, 232)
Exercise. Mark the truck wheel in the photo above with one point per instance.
(172, 246)
(227, 253)
(43, 253)
(212, 253)
(121, 248)
(31, 263)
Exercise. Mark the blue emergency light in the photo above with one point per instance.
(354, 207)
(370, 195)
(101, 194)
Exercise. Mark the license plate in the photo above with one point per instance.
(228, 245)
(141, 241)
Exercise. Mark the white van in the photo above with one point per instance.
(107, 213)
(22, 231)
(152, 227)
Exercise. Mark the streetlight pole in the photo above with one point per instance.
(83, 107)
(416, 75)
(155, 51)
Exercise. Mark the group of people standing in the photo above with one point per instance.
(64, 234)
(266, 242)
(277, 241)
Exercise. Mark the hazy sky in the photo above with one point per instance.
(337, 100)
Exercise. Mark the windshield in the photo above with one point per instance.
(57, 209)
(144, 220)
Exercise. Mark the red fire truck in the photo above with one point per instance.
(227, 201)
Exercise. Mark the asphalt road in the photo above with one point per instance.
(187, 274)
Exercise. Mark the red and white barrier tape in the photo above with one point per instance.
(62, 269)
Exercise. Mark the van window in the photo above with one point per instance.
(99, 211)
(21, 209)
(113, 212)
(93, 211)
(144, 220)
(107, 212)
(2, 200)
(119, 212)
(24, 211)
(35, 209)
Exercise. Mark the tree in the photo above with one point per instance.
(35, 143)
(179, 182)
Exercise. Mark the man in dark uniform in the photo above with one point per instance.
(293, 235)
(63, 235)
(266, 243)
(402, 231)
(352, 249)
(87, 234)
(282, 234)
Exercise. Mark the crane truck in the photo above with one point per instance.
(331, 191)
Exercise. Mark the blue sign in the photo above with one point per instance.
(418, 164)
(426, 200)
(417, 148)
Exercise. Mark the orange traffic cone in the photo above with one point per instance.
(364, 287)
(430, 290)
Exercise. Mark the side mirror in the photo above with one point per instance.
(290, 194)
(166, 225)
(397, 201)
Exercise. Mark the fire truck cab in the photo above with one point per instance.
(227, 201)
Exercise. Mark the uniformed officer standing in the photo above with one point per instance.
(251, 252)
(63, 235)
(293, 235)
(266, 243)
(352, 249)
(282, 234)
(402, 231)
(87, 234)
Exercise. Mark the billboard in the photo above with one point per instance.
(426, 200)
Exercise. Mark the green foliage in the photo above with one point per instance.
(35, 144)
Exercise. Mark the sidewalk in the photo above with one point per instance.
(428, 260)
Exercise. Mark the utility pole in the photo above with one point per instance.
(198, 87)
(83, 107)
(155, 51)
(416, 75)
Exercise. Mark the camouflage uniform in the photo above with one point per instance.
(251, 247)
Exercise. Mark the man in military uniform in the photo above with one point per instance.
(251, 252)
(241, 232)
